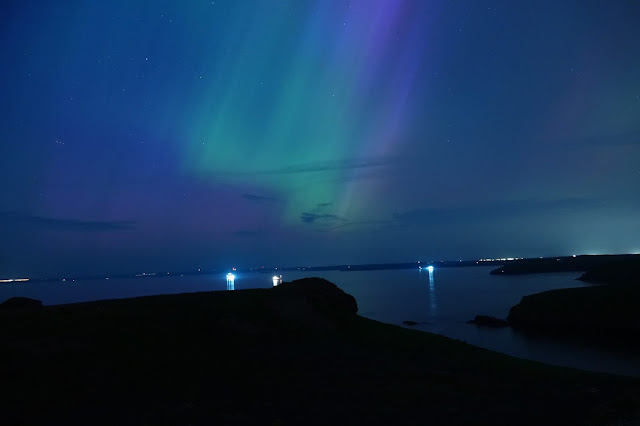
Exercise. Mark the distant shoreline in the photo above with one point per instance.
(341, 268)
(510, 266)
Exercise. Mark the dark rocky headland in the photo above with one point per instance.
(624, 271)
(295, 354)
(607, 313)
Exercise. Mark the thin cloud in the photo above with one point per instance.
(20, 219)
(370, 224)
(261, 199)
(324, 166)
(315, 218)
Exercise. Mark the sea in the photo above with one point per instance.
(441, 302)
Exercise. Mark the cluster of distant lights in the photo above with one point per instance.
(14, 280)
(502, 259)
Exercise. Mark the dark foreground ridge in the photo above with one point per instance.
(296, 354)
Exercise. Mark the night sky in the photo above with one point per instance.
(172, 135)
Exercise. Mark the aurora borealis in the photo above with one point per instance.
(146, 135)
(323, 85)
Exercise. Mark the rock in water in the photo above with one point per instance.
(489, 321)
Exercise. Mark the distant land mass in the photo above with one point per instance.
(511, 266)
(271, 270)
(560, 264)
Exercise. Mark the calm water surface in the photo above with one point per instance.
(442, 302)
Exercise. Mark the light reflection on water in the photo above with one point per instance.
(426, 275)
(441, 302)
(433, 303)
(231, 281)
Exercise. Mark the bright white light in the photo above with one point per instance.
(230, 276)
(430, 268)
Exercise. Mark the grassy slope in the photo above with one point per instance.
(248, 357)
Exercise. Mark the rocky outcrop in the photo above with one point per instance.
(20, 304)
(313, 302)
(323, 295)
